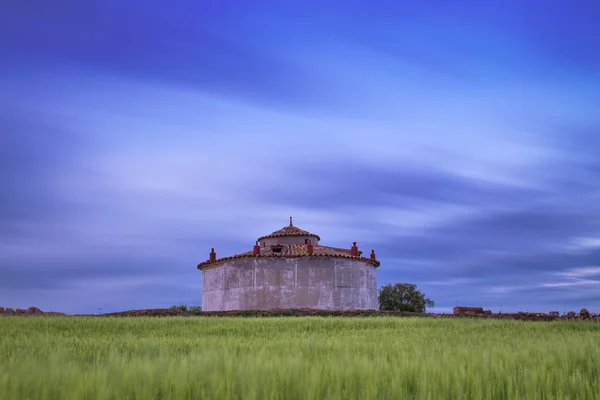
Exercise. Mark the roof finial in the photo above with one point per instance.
(291, 221)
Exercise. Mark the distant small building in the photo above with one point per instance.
(470, 311)
(290, 269)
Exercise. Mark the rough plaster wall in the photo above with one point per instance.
(304, 282)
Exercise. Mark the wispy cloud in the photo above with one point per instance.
(461, 146)
(578, 282)
(581, 272)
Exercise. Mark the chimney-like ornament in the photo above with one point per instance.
(310, 248)
(256, 249)
(373, 255)
(354, 250)
(213, 255)
(291, 221)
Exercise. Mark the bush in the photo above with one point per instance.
(192, 309)
(195, 309)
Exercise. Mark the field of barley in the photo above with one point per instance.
(297, 358)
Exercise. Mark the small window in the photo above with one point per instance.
(306, 241)
(276, 249)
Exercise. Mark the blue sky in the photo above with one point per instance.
(460, 140)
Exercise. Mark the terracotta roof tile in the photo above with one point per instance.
(294, 250)
(289, 230)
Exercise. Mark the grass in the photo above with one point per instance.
(297, 358)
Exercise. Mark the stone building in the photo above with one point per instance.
(290, 269)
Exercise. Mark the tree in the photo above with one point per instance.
(403, 297)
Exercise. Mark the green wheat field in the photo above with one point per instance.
(297, 358)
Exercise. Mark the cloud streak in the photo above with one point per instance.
(461, 147)
(137, 41)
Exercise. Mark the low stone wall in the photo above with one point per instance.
(583, 315)
(157, 312)
(524, 316)
(304, 312)
(31, 311)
